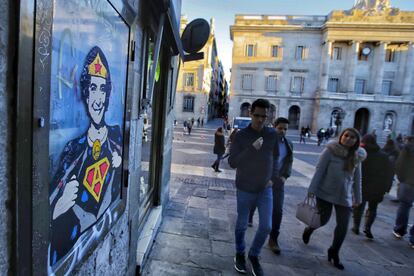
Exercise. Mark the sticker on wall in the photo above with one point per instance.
(88, 85)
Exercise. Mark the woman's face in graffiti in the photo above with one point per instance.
(96, 99)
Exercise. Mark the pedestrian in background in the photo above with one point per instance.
(400, 141)
(189, 126)
(320, 134)
(219, 148)
(391, 150)
(377, 174)
(230, 141)
(185, 123)
(284, 167)
(337, 183)
(405, 173)
(308, 131)
(254, 155)
(302, 135)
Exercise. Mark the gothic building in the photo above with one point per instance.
(351, 68)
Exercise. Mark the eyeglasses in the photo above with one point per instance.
(260, 116)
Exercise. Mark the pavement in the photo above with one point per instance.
(197, 233)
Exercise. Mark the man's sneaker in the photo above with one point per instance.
(397, 235)
(411, 245)
(240, 263)
(256, 267)
(274, 246)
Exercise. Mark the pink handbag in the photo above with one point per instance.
(308, 213)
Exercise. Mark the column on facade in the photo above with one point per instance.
(327, 54)
(353, 59)
(409, 69)
(379, 67)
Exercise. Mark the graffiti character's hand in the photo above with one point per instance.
(67, 200)
(258, 143)
(116, 159)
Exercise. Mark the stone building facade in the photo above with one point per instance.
(200, 83)
(350, 68)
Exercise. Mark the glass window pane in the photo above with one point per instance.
(247, 81)
(299, 52)
(271, 83)
(359, 86)
(250, 50)
(333, 84)
(386, 87)
(275, 51)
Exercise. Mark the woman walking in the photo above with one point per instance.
(336, 179)
(377, 175)
(229, 141)
(219, 148)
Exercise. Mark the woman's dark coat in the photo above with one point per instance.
(219, 145)
(377, 174)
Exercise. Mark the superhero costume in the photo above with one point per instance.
(99, 186)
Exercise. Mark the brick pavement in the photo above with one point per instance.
(197, 235)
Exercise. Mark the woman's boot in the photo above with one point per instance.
(369, 220)
(306, 234)
(333, 257)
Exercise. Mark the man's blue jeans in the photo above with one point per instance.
(278, 198)
(245, 202)
(406, 198)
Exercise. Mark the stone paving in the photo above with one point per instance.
(197, 235)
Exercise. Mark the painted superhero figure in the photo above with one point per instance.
(87, 179)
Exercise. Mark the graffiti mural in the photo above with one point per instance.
(88, 85)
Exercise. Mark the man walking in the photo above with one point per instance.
(284, 166)
(254, 153)
(405, 174)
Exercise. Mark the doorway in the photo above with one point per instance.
(294, 117)
(361, 121)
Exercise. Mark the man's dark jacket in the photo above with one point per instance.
(254, 167)
(404, 165)
(377, 174)
(286, 169)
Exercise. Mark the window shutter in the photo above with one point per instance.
(302, 84)
(280, 57)
(305, 52)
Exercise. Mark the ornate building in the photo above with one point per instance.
(201, 84)
(350, 68)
